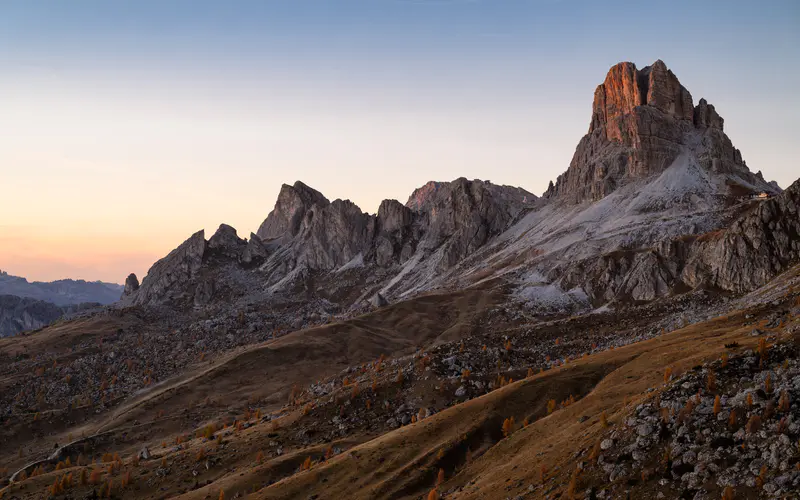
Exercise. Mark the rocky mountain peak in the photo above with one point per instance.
(290, 208)
(171, 273)
(226, 241)
(642, 121)
(420, 197)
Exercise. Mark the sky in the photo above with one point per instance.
(127, 126)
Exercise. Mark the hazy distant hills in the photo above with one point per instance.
(61, 292)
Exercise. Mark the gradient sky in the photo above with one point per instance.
(126, 126)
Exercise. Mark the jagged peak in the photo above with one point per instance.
(290, 207)
(642, 121)
(422, 197)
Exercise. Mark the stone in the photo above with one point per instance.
(378, 300)
(255, 252)
(606, 444)
(644, 430)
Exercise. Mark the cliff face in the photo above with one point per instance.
(642, 120)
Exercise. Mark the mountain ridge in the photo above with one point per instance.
(61, 292)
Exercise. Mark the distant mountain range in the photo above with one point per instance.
(19, 314)
(28, 305)
(61, 292)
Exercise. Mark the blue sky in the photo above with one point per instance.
(132, 124)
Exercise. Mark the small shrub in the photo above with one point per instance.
(508, 426)
(727, 494)
(440, 477)
(572, 487)
(551, 406)
(433, 495)
(717, 405)
(783, 402)
(762, 477)
(307, 463)
(604, 419)
(753, 424)
(711, 381)
(782, 425)
(595, 452)
(768, 384)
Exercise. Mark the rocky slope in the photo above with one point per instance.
(61, 292)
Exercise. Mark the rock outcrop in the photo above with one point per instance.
(255, 252)
(642, 120)
(290, 209)
(225, 242)
(168, 277)
(463, 215)
(131, 285)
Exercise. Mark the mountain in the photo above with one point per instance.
(18, 314)
(630, 333)
(651, 184)
(349, 255)
(61, 292)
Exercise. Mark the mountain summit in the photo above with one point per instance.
(642, 121)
